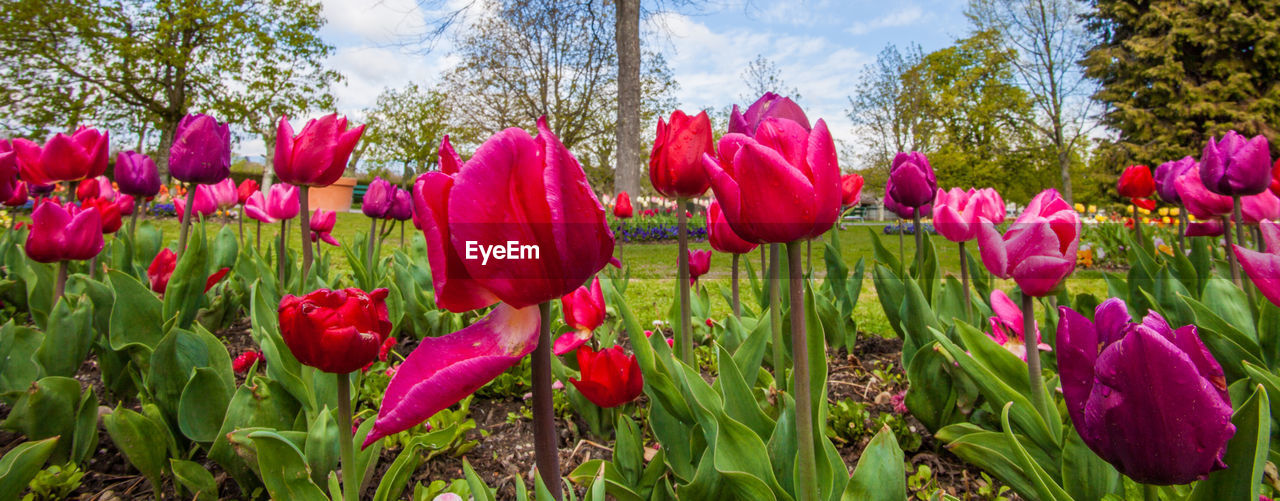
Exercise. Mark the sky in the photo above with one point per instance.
(820, 46)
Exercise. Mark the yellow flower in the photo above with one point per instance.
(1100, 218)
(1129, 209)
(1164, 211)
(1093, 208)
(1080, 208)
(1174, 211)
(1144, 212)
(1167, 220)
(1084, 257)
(1146, 220)
(1165, 249)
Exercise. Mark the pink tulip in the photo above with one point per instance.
(60, 233)
(779, 186)
(280, 203)
(204, 203)
(1260, 207)
(956, 212)
(1199, 201)
(224, 193)
(125, 202)
(1006, 326)
(721, 236)
(322, 222)
(699, 264)
(318, 155)
(63, 158)
(1264, 267)
(583, 312)
(1039, 249)
(769, 105)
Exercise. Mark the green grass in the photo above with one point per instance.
(653, 266)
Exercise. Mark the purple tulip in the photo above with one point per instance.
(8, 171)
(1147, 398)
(401, 205)
(1234, 166)
(201, 151)
(769, 105)
(913, 182)
(377, 199)
(1166, 178)
(902, 211)
(137, 175)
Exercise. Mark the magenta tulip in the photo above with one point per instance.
(1261, 207)
(63, 158)
(1147, 398)
(902, 211)
(769, 105)
(224, 193)
(1197, 199)
(60, 233)
(1167, 175)
(322, 222)
(8, 171)
(1264, 267)
(204, 203)
(318, 154)
(780, 186)
(721, 236)
(1211, 228)
(137, 174)
(201, 151)
(956, 212)
(913, 180)
(1007, 327)
(1039, 248)
(401, 205)
(1234, 166)
(583, 312)
(377, 198)
(699, 264)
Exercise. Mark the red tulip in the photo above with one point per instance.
(246, 189)
(674, 162)
(721, 236)
(246, 360)
(161, 270)
(1136, 182)
(88, 188)
(58, 233)
(622, 206)
(63, 158)
(1039, 250)
(1144, 203)
(124, 202)
(850, 189)
(583, 312)
(335, 331)
(108, 211)
(780, 186)
(318, 155)
(699, 264)
(19, 197)
(609, 378)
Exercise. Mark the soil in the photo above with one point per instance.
(506, 454)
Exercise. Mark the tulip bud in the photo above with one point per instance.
(377, 198)
(721, 236)
(1166, 177)
(201, 151)
(401, 205)
(770, 105)
(336, 331)
(699, 264)
(609, 378)
(1234, 166)
(58, 233)
(1136, 182)
(914, 184)
(622, 207)
(246, 188)
(322, 226)
(674, 166)
(850, 189)
(137, 174)
(584, 311)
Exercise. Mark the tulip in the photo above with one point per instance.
(401, 205)
(318, 154)
(699, 264)
(246, 189)
(1275, 178)
(1206, 205)
(1264, 267)
(609, 378)
(1212, 228)
(1007, 328)
(674, 166)
(136, 174)
(1166, 178)
(161, 270)
(280, 204)
(245, 361)
(583, 312)
(19, 196)
(722, 238)
(956, 216)
(1038, 251)
(1235, 167)
(902, 211)
(622, 208)
(769, 105)
(8, 172)
(850, 189)
(914, 184)
(515, 187)
(201, 151)
(1260, 207)
(337, 331)
(1147, 398)
(322, 227)
(224, 193)
(63, 158)
(67, 233)
(202, 200)
(377, 199)
(125, 203)
(108, 211)
(1136, 182)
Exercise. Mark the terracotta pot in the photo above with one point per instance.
(335, 197)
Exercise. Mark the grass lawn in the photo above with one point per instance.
(653, 266)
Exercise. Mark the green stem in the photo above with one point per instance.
(808, 479)
(133, 219)
(1231, 255)
(258, 235)
(902, 249)
(1033, 353)
(186, 219)
(686, 337)
(1137, 224)
(919, 233)
(281, 252)
(368, 260)
(346, 445)
(737, 305)
(305, 228)
(547, 454)
(775, 314)
(964, 283)
(1182, 231)
(60, 287)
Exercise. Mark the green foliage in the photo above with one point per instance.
(405, 128)
(54, 483)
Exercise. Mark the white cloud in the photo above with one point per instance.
(905, 16)
(380, 21)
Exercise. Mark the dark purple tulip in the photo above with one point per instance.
(1167, 173)
(41, 190)
(401, 205)
(1236, 167)
(136, 174)
(377, 199)
(902, 211)
(8, 171)
(911, 180)
(769, 105)
(201, 151)
(1149, 399)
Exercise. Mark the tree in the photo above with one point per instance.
(405, 128)
(626, 176)
(1174, 73)
(762, 75)
(889, 110)
(147, 62)
(1049, 39)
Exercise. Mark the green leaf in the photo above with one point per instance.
(68, 338)
(185, 292)
(1084, 474)
(880, 475)
(932, 398)
(479, 491)
(260, 403)
(21, 464)
(1231, 305)
(322, 447)
(18, 366)
(1227, 344)
(142, 440)
(195, 478)
(48, 409)
(993, 452)
(882, 254)
(142, 321)
(889, 290)
(1246, 455)
(1044, 485)
(284, 470)
(203, 405)
(917, 319)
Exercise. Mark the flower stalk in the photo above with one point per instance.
(547, 454)
(186, 219)
(346, 445)
(775, 313)
(1033, 354)
(682, 277)
(808, 481)
(737, 305)
(305, 228)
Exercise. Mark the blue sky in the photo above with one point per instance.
(819, 45)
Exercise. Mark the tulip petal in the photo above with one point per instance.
(456, 291)
(1263, 269)
(782, 208)
(570, 341)
(824, 167)
(443, 370)
(1271, 235)
(1038, 275)
(992, 249)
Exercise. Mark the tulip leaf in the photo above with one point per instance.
(628, 450)
(1117, 287)
(39, 278)
(1084, 474)
(740, 404)
(67, 338)
(880, 475)
(657, 383)
(176, 357)
(185, 292)
(282, 366)
(141, 322)
(18, 366)
(1269, 332)
(933, 395)
(1227, 344)
(195, 478)
(367, 457)
(917, 319)
(1269, 381)
(48, 409)
(321, 446)
(993, 452)
(284, 470)
(142, 440)
(1045, 487)
(479, 491)
(224, 251)
(20, 464)
(203, 405)
(882, 254)
(260, 402)
(1246, 455)
(1231, 305)
(614, 483)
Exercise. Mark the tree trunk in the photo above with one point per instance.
(268, 171)
(626, 176)
(162, 152)
(1064, 166)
